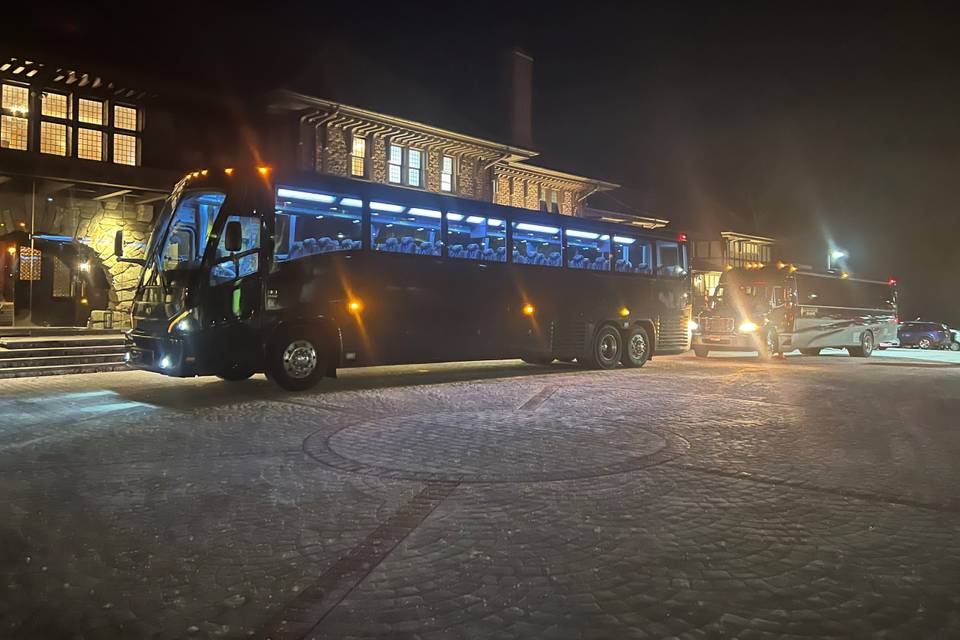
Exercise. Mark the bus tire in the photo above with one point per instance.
(810, 351)
(865, 348)
(636, 347)
(296, 359)
(701, 352)
(605, 349)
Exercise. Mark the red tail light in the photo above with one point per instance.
(892, 281)
(682, 237)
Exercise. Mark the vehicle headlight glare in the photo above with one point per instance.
(692, 325)
(748, 327)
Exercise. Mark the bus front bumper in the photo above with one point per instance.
(727, 341)
(167, 355)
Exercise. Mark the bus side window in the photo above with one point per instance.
(536, 244)
(309, 222)
(230, 266)
(670, 259)
(632, 255)
(587, 250)
(476, 238)
(398, 229)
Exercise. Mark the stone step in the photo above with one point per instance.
(62, 351)
(59, 361)
(53, 342)
(59, 370)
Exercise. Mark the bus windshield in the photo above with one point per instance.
(182, 246)
(752, 295)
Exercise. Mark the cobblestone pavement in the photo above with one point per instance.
(812, 497)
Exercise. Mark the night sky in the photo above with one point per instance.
(805, 122)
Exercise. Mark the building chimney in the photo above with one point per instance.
(521, 97)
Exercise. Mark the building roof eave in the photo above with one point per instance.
(285, 99)
(745, 236)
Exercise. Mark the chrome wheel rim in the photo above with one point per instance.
(299, 359)
(868, 343)
(924, 343)
(638, 346)
(608, 348)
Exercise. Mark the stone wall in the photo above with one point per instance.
(378, 159)
(433, 170)
(336, 160)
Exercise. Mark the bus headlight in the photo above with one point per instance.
(183, 322)
(748, 327)
(166, 362)
(692, 325)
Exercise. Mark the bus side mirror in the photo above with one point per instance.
(118, 244)
(233, 237)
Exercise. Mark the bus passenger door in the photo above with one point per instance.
(234, 299)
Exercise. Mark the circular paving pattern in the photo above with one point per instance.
(492, 446)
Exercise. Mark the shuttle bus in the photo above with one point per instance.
(774, 310)
(297, 276)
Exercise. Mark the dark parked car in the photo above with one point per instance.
(925, 335)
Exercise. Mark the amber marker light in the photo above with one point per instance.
(355, 306)
(83, 301)
(228, 171)
(263, 171)
(204, 172)
(12, 249)
(624, 312)
(529, 309)
(844, 275)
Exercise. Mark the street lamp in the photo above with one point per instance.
(833, 256)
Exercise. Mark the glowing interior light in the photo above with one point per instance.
(351, 202)
(228, 171)
(523, 226)
(583, 234)
(384, 206)
(623, 240)
(456, 217)
(605, 237)
(305, 195)
(424, 213)
(493, 222)
(475, 219)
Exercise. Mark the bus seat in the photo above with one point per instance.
(555, 259)
(456, 251)
(296, 250)
(489, 254)
(407, 245)
(391, 244)
(502, 254)
(425, 248)
(310, 246)
(473, 251)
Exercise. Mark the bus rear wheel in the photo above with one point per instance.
(636, 347)
(296, 360)
(606, 348)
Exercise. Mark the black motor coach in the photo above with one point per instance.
(298, 275)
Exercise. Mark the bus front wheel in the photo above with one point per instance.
(606, 348)
(865, 348)
(295, 360)
(636, 347)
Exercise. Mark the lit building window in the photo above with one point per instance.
(415, 168)
(89, 144)
(124, 118)
(124, 149)
(90, 111)
(54, 105)
(53, 138)
(16, 99)
(13, 133)
(358, 157)
(395, 165)
(549, 200)
(446, 174)
(30, 263)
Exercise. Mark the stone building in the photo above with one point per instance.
(82, 155)
(343, 140)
